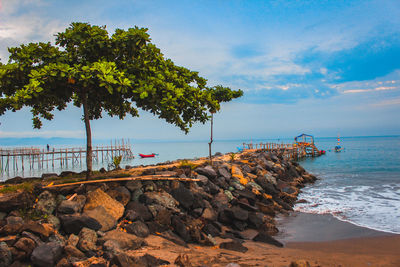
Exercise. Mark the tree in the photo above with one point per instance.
(116, 74)
(220, 94)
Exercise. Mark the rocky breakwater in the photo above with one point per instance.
(101, 224)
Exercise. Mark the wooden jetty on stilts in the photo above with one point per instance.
(16, 159)
(302, 147)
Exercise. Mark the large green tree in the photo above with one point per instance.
(115, 74)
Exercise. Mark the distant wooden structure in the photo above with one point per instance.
(302, 147)
(31, 157)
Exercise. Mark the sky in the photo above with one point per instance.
(319, 67)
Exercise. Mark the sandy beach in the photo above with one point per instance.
(362, 247)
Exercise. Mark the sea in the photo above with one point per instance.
(360, 184)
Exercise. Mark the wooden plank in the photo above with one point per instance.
(140, 178)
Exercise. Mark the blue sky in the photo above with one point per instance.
(322, 67)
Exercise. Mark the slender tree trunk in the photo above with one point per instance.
(88, 136)
(211, 138)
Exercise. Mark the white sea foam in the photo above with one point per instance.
(374, 207)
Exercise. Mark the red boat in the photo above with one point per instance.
(147, 156)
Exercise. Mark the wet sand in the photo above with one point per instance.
(326, 241)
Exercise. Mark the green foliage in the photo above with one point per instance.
(232, 156)
(116, 162)
(32, 214)
(187, 164)
(26, 186)
(115, 74)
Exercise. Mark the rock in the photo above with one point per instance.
(44, 230)
(255, 220)
(9, 240)
(180, 228)
(11, 228)
(300, 263)
(163, 217)
(209, 214)
(46, 203)
(233, 245)
(121, 194)
(87, 240)
(25, 244)
(72, 240)
(14, 201)
(29, 235)
(124, 240)
(2, 215)
(136, 194)
(72, 251)
(212, 188)
(100, 214)
(203, 179)
(141, 210)
(148, 260)
(238, 213)
(210, 229)
(184, 196)
(75, 222)
(92, 262)
(162, 198)
(232, 264)
(138, 228)
(207, 171)
(5, 255)
(224, 173)
(68, 207)
(133, 185)
(54, 221)
(183, 261)
(237, 173)
(49, 175)
(266, 238)
(47, 254)
(122, 260)
(99, 198)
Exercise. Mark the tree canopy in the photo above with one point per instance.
(116, 74)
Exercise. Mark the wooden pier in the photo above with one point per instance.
(30, 157)
(288, 150)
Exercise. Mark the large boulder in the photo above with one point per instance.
(87, 240)
(13, 201)
(141, 212)
(161, 198)
(233, 245)
(101, 215)
(5, 255)
(99, 198)
(133, 185)
(121, 194)
(68, 207)
(238, 213)
(44, 230)
(224, 173)
(46, 202)
(207, 171)
(75, 222)
(138, 228)
(266, 238)
(184, 196)
(124, 240)
(26, 245)
(47, 254)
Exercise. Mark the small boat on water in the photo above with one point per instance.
(338, 148)
(152, 155)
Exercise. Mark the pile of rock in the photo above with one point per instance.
(96, 224)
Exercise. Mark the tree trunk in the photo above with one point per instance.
(211, 138)
(88, 136)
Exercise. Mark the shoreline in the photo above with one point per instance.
(233, 225)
